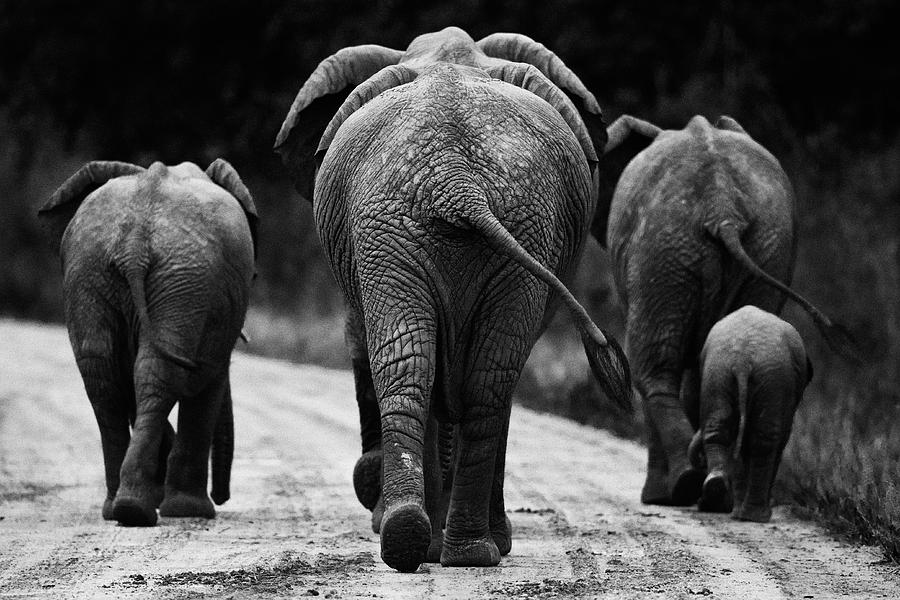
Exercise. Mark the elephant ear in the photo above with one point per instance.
(728, 124)
(516, 47)
(227, 178)
(64, 202)
(528, 77)
(628, 137)
(387, 78)
(318, 100)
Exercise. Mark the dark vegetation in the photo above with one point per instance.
(172, 81)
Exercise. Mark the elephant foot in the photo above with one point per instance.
(502, 534)
(133, 512)
(377, 515)
(480, 552)
(367, 478)
(181, 504)
(757, 514)
(716, 495)
(434, 548)
(405, 537)
(686, 487)
(656, 488)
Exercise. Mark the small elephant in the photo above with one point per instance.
(157, 265)
(754, 369)
(701, 221)
(452, 193)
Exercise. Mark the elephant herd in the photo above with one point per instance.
(453, 186)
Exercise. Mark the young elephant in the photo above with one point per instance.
(754, 370)
(157, 265)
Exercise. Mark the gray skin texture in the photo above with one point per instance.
(754, 369)
(157, 266)
(684, 210)
(432, 194)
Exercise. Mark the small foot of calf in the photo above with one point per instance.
(367, 478)
(757, 514)
(405, 537)
(133, 511)
(181, 504)
(716, 495)
(479, 552)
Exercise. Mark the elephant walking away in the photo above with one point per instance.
(454, 183)
(754, 369)
(701, 222)
(157, 265)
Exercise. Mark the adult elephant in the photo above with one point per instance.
(157, 265)
(701, 222)
(453, 190)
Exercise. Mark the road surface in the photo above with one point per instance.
(294, 528)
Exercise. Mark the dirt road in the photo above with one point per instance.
(294, 528)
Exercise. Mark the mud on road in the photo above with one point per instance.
(293, 527)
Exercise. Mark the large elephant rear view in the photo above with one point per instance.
(454, 189)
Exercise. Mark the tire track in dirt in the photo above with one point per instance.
(293, 526)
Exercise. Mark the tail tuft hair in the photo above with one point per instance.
(610, 368)
(842, 341)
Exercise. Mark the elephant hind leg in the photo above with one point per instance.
(188, 471)
(109, 396)
(404, 384)
(468, 539)
(477, 532)
(671, 478)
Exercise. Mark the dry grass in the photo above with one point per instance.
(301, 336)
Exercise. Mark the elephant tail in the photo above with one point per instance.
(836, 335)
(605, 356)
(742, 400)
(223, 452)
(135, 278)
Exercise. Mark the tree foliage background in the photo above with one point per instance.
(170, 80)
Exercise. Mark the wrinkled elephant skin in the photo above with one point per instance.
(754, 369)
(701, 221)
(453, 191)
(157, 265)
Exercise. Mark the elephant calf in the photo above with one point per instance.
(157, 265)
(754, 370)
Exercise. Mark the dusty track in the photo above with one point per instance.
(294, 527)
